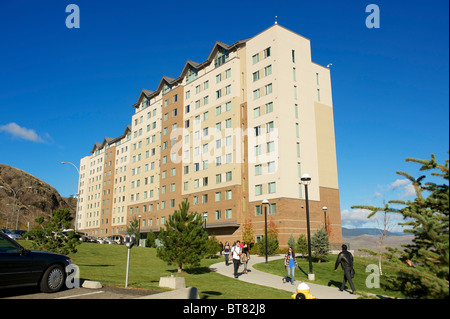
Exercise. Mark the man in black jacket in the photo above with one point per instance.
(345, 258)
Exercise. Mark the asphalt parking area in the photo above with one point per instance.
(106, 292)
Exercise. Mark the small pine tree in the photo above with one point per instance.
(212, 246)
(183, 238)
(133, 228)
(320, 244)
(302, 245)
(150, 241)
(292, 242)
(54, 240)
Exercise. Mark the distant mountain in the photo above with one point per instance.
(40, 200)
(353, 232)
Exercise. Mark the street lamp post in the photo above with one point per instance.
(324, 208)
(265, 204)
(306, 179)
(78, 192)
(205, 216)
(139, 231)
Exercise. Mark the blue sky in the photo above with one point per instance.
(63, 89)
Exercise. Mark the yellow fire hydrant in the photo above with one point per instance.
(303, 292)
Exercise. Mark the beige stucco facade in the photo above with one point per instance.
(240, 127)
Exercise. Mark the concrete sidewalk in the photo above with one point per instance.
(265, 279)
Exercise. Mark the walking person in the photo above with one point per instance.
(236, 256)
(290, 262)
(245, 256)
(226, 252)
(345, 258)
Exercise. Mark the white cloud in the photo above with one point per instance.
(21, 132)
(355, 218)
(404, 186)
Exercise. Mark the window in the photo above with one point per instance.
(191, 75)
(256, 112)
(268, 70)
(256, 94)
(295, 92)
(257, 130)
(221, 57)
(258, 190)
(205, 85)
(317, 78)
(293, 56)
(218, 196)
(258, 210)
(258, 169)
(228, 176)
(272, 188)
(218, 178)
(256, 76)
(228, 195)
(228, 89)
(318, 95)
(269, 107)
(297, 130)
(268, 88)
(271, 167)
(218, 214)
(227, 73)
(267, 52)
(228, 214)
(294, 74)
(270, 147)
(272, 209)
(269, 127)
(218, 78)
(255, 58)
(218, 94)
(298, 149)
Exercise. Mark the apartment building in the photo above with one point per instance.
(227, 133)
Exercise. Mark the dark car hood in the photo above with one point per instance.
(38, 253)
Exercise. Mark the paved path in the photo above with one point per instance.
(262, 278)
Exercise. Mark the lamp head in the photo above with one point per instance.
(265, 201)
(305, 178)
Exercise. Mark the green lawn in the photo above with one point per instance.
(325, 274)
(107, 264)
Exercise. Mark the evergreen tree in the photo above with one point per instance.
(133, 228)
(320, 244)
(302, 245)
(292, 242)
(150, 241)
(423, 266)
(54, 239)
(183, 238)
(212, 246)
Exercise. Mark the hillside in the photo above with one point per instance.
(41, 199)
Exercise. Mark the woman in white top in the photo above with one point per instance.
(236, 255)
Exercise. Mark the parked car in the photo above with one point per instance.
(23, 267)
(118, 239)
(11, 234)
